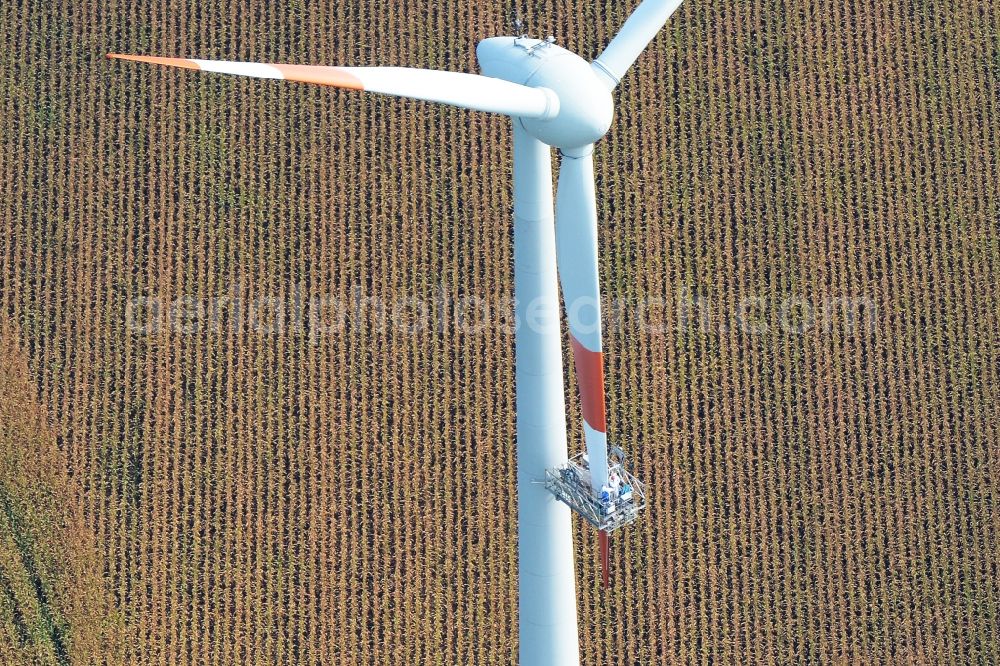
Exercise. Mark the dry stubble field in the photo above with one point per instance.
(227, 490)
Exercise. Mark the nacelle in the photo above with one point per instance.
(585, 106)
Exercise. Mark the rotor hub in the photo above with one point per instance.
(585, 106)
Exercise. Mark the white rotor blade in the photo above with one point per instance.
(467, 91)
(576, 241)
(638, 31)
(576, 248)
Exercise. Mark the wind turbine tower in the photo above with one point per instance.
(556, 99)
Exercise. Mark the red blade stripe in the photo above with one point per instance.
(590, 375)
(605, 558)
(324, 76)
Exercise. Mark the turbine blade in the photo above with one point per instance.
(638, 31)
(576, 247)
(605, 559)
(467, 91)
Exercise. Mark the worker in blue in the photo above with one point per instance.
(608, 500)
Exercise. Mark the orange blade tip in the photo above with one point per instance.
(155, 60)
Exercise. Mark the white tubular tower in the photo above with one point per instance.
(547, 605)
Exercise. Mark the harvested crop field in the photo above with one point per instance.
(265, 330)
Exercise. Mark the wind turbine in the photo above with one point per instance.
(556, 99)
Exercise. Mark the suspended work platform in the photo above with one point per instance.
(608, 510)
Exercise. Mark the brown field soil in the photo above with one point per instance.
(270, 488)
